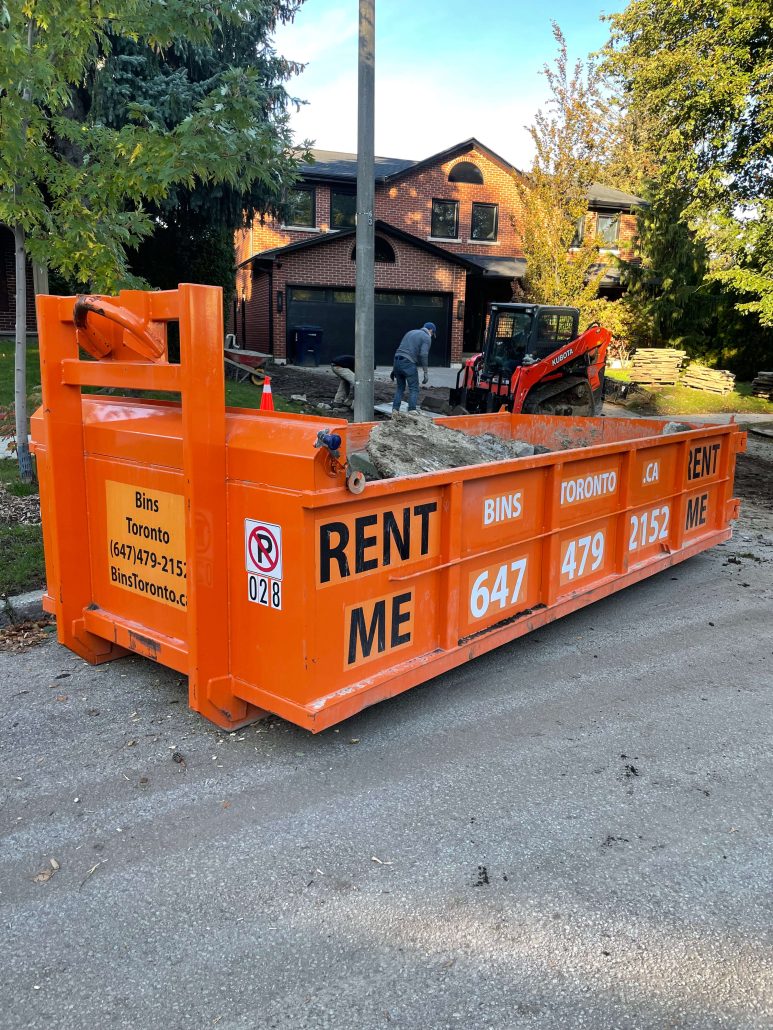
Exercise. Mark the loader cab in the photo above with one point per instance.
(520, 334)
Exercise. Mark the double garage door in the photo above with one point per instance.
(396, 312)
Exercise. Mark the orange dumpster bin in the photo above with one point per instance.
(229, 545)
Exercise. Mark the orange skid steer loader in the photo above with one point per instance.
(535, 362)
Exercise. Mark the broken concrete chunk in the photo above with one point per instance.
(408, 445)
(675, 427)
(494, 448)
(436, 406)
(360, 462)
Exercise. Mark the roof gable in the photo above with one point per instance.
(457, 150)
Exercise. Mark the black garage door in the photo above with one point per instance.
(396, 313)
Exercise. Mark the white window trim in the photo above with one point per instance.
(485, 243)
(444, 239)
(299, 228)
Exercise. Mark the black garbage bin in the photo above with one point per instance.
(305, 344)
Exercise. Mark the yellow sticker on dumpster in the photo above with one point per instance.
(146, 542)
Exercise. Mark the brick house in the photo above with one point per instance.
(448, 243)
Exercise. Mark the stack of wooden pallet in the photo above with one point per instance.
(710, 380)
(656, 366)
(762, 386)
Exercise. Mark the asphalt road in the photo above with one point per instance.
(573, 831)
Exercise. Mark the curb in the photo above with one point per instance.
(21, 607)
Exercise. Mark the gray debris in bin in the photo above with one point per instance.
(676, 427)
(408, 444)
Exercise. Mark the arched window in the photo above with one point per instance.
(466, 171)
(384, 252)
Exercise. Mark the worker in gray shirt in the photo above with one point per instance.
(412, 352)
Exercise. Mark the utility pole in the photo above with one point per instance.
(364, 320)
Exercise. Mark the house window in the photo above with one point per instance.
(343, 209)
(608, 228)
(466, 171)
(579, 232)
(301, 208)
(383, 252)
(445, 219)
(483, 227)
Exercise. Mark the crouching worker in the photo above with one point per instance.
(343, 367)
(412, 353)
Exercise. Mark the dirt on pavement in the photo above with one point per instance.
(319, 386)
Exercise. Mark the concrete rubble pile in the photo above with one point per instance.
(407, 445)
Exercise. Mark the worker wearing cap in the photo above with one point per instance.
(412, 353)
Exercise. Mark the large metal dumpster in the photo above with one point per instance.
(223, 544)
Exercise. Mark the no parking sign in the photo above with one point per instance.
(263, 559)
(263, 548)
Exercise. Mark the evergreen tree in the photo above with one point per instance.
(194, 226)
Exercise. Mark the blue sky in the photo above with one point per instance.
(445, 70)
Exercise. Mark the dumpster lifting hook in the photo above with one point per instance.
(355, 480)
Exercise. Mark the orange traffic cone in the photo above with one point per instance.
(266, 399)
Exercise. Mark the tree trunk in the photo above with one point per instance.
(22, 421)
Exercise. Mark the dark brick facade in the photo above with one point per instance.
(8, 286)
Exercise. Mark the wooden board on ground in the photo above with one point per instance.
(657, 366)
(710, 380)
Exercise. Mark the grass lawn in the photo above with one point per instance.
(7, 352)
(245, 395)
(21, 547)
(682, 400)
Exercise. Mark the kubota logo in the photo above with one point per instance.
(560, 357)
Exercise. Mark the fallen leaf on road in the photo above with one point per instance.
(43, 876)
(21, 635)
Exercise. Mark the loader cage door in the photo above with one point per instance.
(555, 328)
(507, 343)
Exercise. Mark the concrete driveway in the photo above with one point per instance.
(573, 831)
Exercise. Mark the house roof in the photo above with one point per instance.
(384, 228)
(339, 166)
(608, 197)
(508, 267)
(335, 164)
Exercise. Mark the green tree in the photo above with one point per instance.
(79, 191)
(193, 237)
(699, 76)
(563, 263)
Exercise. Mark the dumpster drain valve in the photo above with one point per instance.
(330, 440)
(355, 480)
